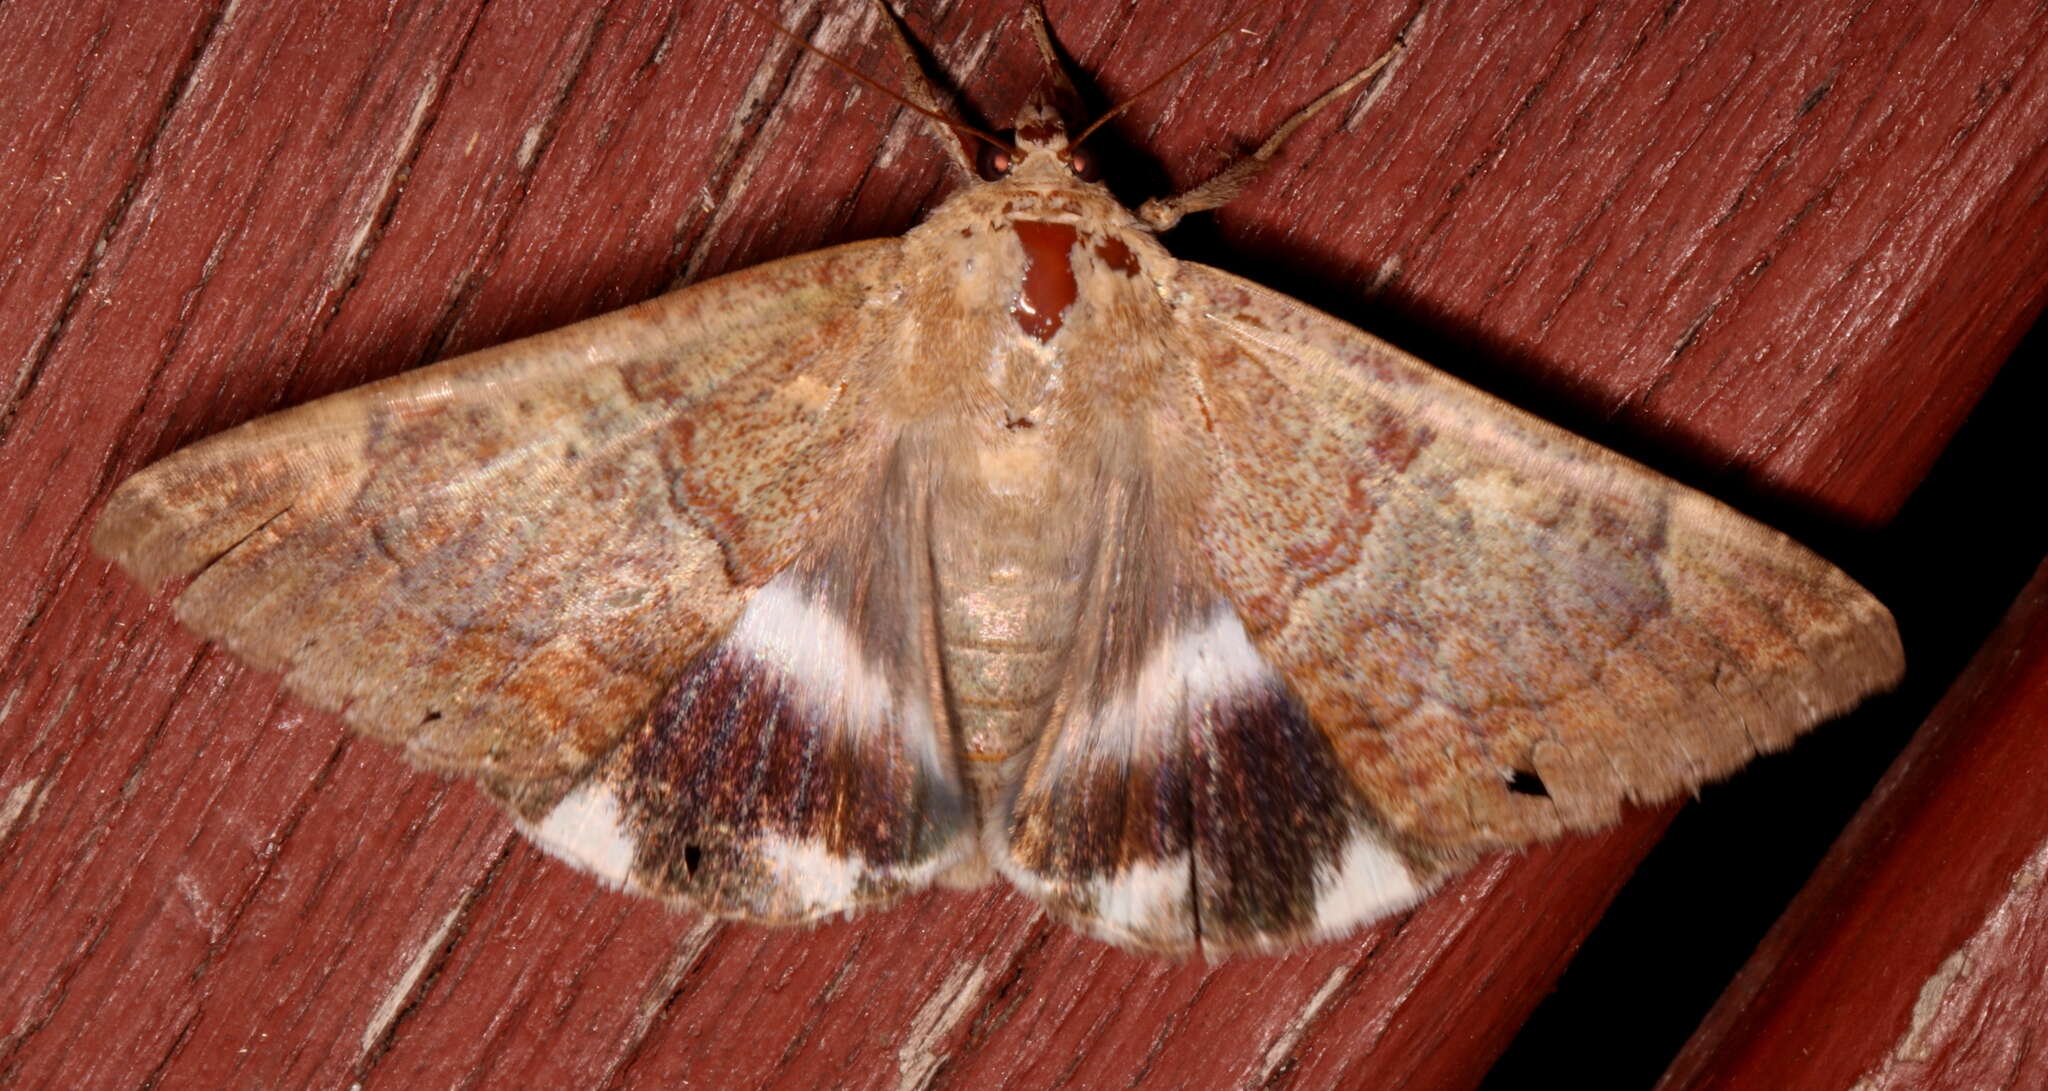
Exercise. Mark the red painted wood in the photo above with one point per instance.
(1930, 912)
(70, 144)
(1781, 252)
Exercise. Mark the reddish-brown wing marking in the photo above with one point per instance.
(1502, 630)
(499, 561)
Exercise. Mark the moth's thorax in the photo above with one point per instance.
(1027, 279)
(1043, 325)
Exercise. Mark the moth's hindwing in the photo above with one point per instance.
(1195, 806)
(803, 764)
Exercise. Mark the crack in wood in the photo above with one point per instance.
(656, 999)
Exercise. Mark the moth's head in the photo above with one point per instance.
(1038, 149)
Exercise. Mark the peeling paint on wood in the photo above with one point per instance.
(21, 800)
(1963, 1034)
(401, 991)
(1282, 1049)
(924, 1049)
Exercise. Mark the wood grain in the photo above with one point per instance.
(1929, 911)
(1779, 252)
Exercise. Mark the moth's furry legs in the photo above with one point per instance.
(1224, 186)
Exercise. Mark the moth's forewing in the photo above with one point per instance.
(500, 561)
(1506, 630)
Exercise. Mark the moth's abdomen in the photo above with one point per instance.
(1004, 637)
(1008, 595)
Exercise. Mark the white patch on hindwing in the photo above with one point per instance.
(1206, 668)
(1145, 904)
(811, 876)
(810, 649)
(1367, 881)
(587, 829)
(1147, 900)
(1201, 664)
(812, 879)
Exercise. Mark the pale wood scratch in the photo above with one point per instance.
(25, 798)
(748, 136)
(899, 134)
(1282, 1048)
(529, 143)
(401, 992)
(1364, 104)
(372, 210)
(656, 998)
(743, 124)
(204, 909)
(922, 1051)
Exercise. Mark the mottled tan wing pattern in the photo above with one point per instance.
(1504, 630)
(500, 560)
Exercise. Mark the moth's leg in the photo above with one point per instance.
(919, 91)
(1232, 180)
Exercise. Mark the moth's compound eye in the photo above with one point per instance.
(1084, 166)
(993, 162)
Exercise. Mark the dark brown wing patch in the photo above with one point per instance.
(1196, 808)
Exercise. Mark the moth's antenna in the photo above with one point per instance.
(1150, 87)
(960, 127)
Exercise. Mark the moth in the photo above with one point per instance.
(1012, 546)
